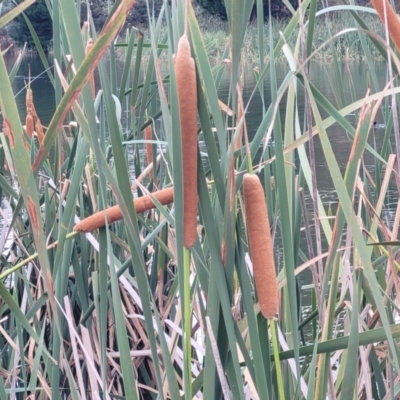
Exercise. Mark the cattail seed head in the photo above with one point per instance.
(261, 249)
(29, 125)
(391, 17)
(185, 72)
(29, 99)
(144, 203)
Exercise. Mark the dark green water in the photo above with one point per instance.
(43, 92)
(322, 76)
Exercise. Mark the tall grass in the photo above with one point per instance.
(126, 311)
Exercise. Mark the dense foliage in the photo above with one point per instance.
(139, 16)
(124, 310)
(40, 19)
(214, 7)
(39, 16)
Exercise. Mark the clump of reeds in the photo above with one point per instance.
(261, 249)
(112, 214)
(392, 19)
(185, 72)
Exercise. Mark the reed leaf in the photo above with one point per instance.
(14, 12)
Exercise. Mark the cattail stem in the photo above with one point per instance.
(187, 319)
(148, 135)
(274, 338)
(112, 214)
(261, 249)
(29, 125)
(185, 72)
(392, 19)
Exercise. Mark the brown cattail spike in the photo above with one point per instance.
(32, 122)
(261, 250)
(29, 99)
(29, 94)
(185, 72)
(98, 220)
(391, 17)
(29, 125)
(29, 121)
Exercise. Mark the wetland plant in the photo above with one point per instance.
(125, 310)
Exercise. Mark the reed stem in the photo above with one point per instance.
(187, 325)
(274, 338)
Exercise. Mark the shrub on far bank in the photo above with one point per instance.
(278, 8)
(39, 17)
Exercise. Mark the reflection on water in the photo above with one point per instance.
(42, 88)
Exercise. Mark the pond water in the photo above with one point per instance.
(320, 74)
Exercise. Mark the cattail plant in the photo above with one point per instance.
(112, 214)
(185, 72)
(261, 249)
(32, 121)
(391, 18)
(29, 125)
(29, 122)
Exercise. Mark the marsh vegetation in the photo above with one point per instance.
(134, 309)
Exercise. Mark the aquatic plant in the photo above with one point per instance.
(126, 310)
(261, 249)
(112, 214)
(186, 86)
